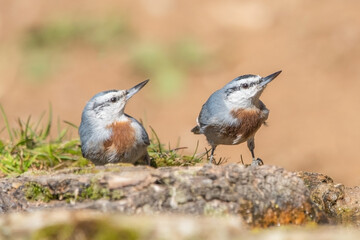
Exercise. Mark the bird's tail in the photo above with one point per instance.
(196, 130)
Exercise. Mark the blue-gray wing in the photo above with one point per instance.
(213, 111)
(144, 135)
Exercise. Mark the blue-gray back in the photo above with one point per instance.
(214, 110)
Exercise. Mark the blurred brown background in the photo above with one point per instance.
(64, 52)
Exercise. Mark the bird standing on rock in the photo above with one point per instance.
(234, 113)
(107, 134)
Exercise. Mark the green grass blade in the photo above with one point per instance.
(197, 146)
(1, 130)
(71, 124)
(27, 127)
(61, 135)
(6, 123)
(46, 133)
(39, 121)
(157, 139)
(21, 127)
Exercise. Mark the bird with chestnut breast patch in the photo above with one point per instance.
(107, 134)
(234, 113)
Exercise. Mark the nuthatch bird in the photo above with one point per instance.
(234, 113)
(107, 134)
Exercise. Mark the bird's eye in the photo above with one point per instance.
(245, 85)
(113, 99)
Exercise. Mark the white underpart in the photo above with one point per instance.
(122, 118)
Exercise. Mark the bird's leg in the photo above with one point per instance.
(147, 159)
(212, 154)
(251, 146)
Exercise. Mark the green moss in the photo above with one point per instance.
(36, 192)
(95, 191)
(90, 229)
(117, 195)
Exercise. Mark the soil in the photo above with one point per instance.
(313, 122)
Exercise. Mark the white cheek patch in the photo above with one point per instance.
(240, 99)
(236, 96)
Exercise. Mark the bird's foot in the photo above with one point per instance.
(257, 162)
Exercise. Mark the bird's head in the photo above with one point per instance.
(244, 90)
(109, 105)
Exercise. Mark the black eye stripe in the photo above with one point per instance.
(231, 90)
(99, 106)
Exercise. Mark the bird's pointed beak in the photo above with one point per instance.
(130, 92)
(269, 78)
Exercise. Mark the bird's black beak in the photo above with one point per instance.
(269, 78)
(130, 92)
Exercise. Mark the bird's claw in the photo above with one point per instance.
(257, 162)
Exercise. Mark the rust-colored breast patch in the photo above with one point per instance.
(122, 138)
(250, 121)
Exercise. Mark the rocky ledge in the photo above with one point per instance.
(261, 196)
